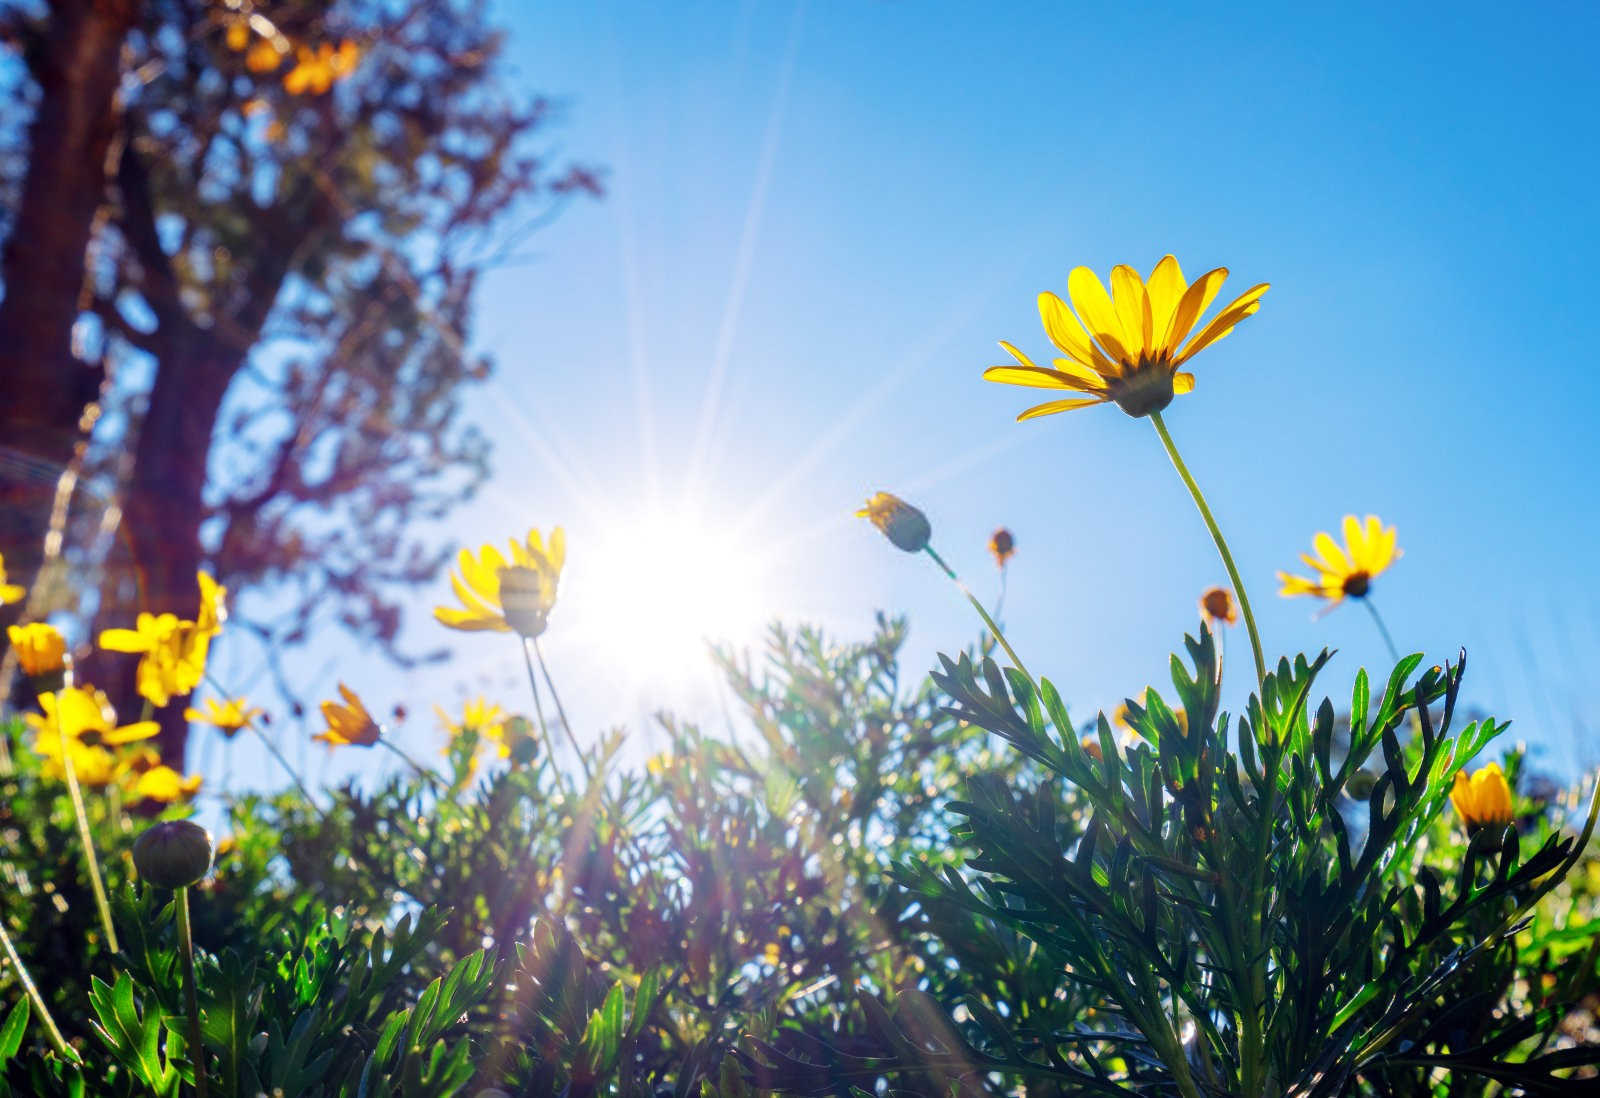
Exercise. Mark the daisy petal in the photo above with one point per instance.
(1098, 314)
(1245, 305)
(1035, 377)
(1182, 383)
(1165, 287)
(1195, 301)
(1055, 406)
(1133, 306)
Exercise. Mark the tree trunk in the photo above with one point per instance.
(44, 388)
(163, 504)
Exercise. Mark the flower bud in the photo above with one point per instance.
(174, 854)
(905, 526)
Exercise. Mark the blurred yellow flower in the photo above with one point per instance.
(93, 766)
(1342, 573)
(349, 723)
(264, 56)
(478, 715)
(315, 71)
(507, 594)
(171, 665)
(174, 649)
(237, 35)
(40, 648)
(80, 713)
(9, 592)
(1217, 606)
(1126, 346)
(1484, 799)
(230, 715)
(165, 785)
(905, 526)
(1002, 546)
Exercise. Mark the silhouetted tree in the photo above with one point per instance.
(305, 198)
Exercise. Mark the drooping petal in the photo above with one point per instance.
(1063, 330)
(124, 640)
(1035, 377)
(1059, 406)
(1245, 305)
(1099, 315)
(1194, 302)
(468, 621)
(1021, 359)
(1182, 382)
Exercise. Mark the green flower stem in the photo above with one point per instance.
(1222, 544)
(191, 994)
(272, 748)
(1383, 630)
(1016, 661)
(544, 727)
(395, 750)
(561, 711)
(58, 1042)
(95, 883)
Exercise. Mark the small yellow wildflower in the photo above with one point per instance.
(1217, 607)
(229, 715)
(503, 595)
(94, 767)
(315, 71)
(79, 713)
(1345, 573)
(237, 35)
(478, 715)
(1484, 799)
(1003, 546)
(905, 526)
(9, 592)
(41, 649)
(165, 785)
(1126, 346)
(174, 649)
(349, 723)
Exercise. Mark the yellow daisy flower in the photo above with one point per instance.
(169, 665)
(479, 715)
(94, 767)
(905, 526)
(504, 595)
(1345, 572)
(349, 723)
(41, 649)
(9, 592)
(1126, 346)
(165, 785)
(1484, 799)
(79, 713)
(264, 56)
(229, 715)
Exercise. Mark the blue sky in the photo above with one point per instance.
(823, 216)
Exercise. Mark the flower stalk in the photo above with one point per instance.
(191, 994)
(76, 795)
(1221, 542)
(1016, 661)
(52, 1031)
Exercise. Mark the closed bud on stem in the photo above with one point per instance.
(174, 854)
(905, 526)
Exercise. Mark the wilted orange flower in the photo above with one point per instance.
(906, 527)
(1126, 346)
(41, 649)
(1003, 546)
(1217, 605)
(1484, 799)
(349, 723)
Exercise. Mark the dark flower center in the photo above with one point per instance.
(1356, 584)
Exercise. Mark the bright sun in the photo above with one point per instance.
(655, 586)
